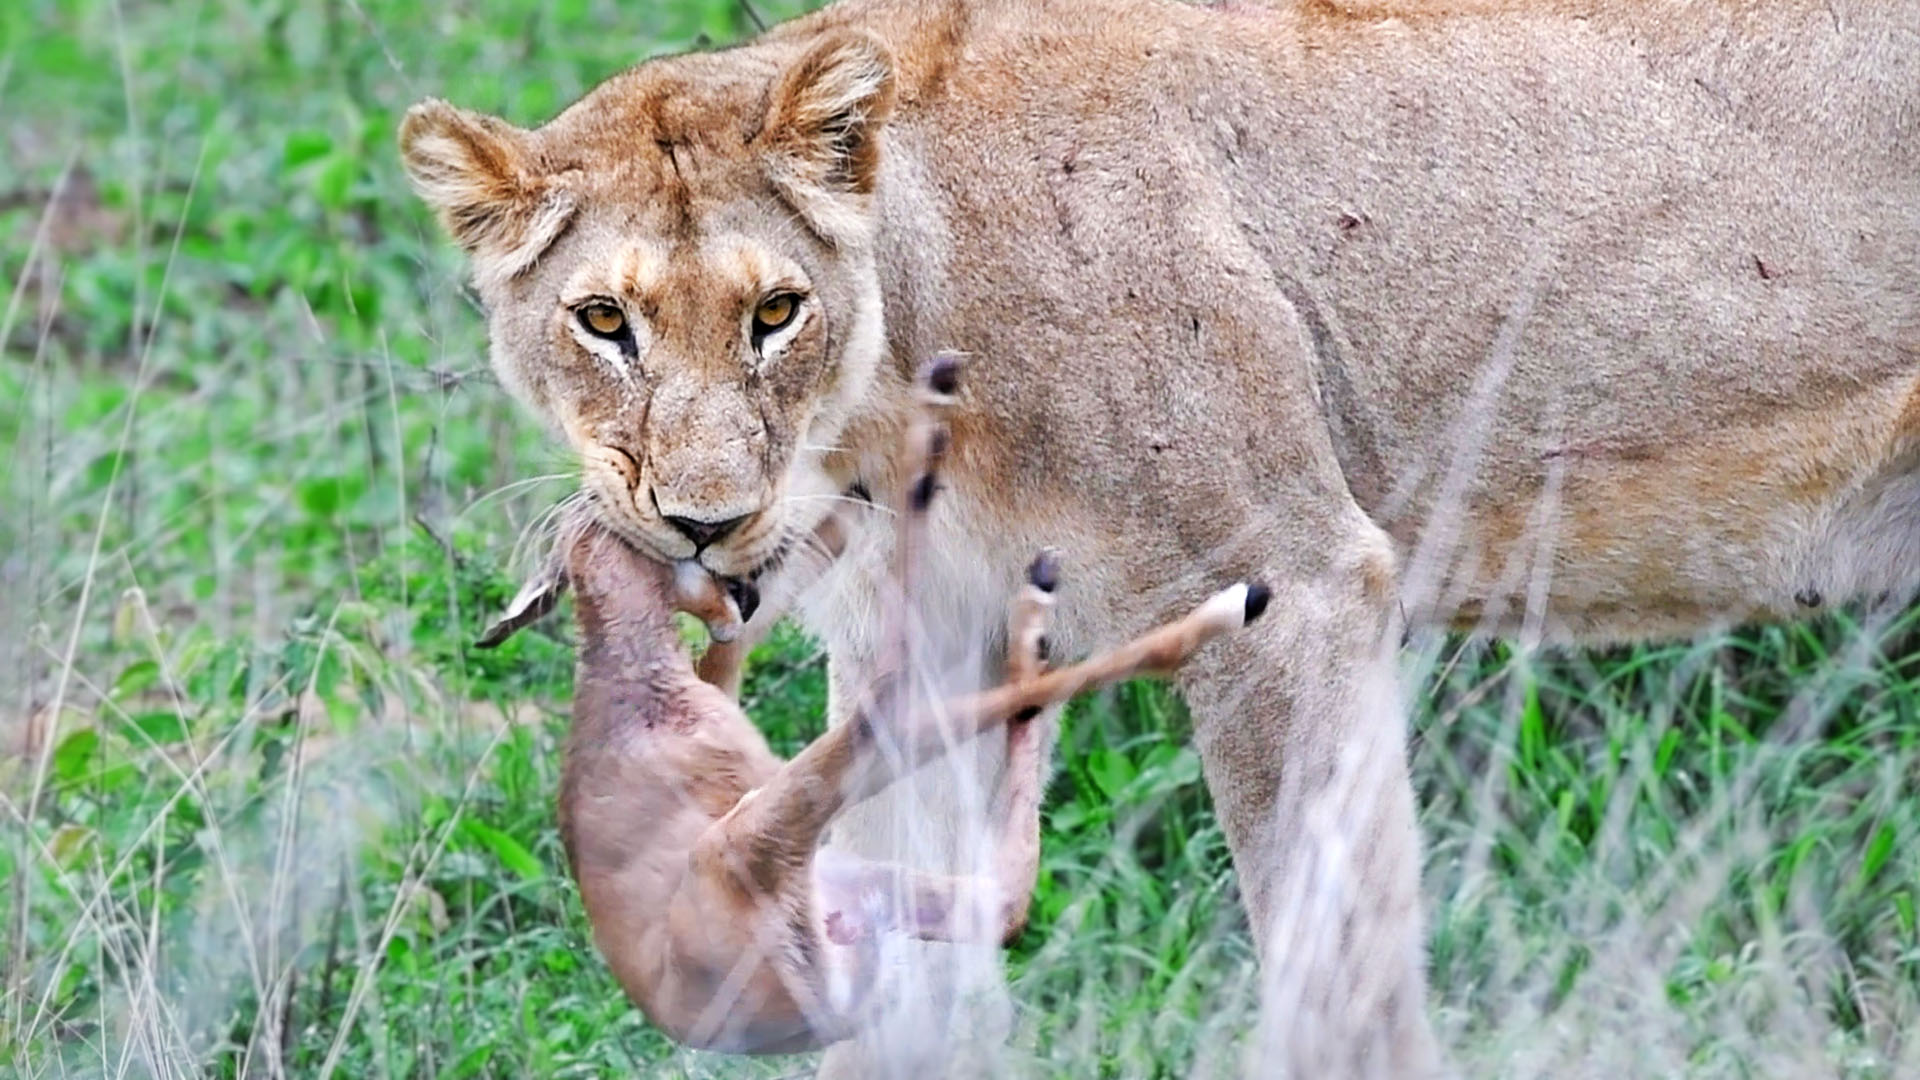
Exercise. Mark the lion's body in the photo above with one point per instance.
(1647, 280)
(1600, 322)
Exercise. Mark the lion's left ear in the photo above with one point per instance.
(822, 132)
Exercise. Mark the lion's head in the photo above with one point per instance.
(679, 276)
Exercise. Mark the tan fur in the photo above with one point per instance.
(1603, 317)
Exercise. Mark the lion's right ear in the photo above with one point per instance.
(480, 177)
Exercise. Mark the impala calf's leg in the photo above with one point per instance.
(937, 907)
(867, 897)
(1016, 858)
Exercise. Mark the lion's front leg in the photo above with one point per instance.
(1302, 736)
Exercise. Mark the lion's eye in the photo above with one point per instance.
(604, 320)
(774, 312)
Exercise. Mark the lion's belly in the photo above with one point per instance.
(1772, 519)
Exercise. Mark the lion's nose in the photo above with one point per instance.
(703, 533)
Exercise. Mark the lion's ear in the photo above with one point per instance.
(824, 121)
(477, 173)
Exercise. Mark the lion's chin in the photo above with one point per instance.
(746, 564)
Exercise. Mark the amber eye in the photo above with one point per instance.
(604, 320)
(774, 312)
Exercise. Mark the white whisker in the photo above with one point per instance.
(541, 534)
(506, 489)
(837, 498)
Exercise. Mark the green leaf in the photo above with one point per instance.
(1110, 770)
(162, 727)
(68, 841)
(1878, 850)
(324, 496)
(471, 1062)
(136, 677)
(1663, 754)
(305, 146)
(75, 753)
(509, 851)
(335, 181)
(1533, 726)
(1066, 817)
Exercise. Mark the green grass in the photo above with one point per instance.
(260, 492)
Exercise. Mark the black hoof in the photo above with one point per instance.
(1044, 572)
(922, 493)
(943, 374)
(1257, 597)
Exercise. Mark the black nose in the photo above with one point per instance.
(703, 533)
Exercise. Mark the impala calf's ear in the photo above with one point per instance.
(822, 132)
(538, 596)
(480, 177)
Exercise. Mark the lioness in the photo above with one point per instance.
(1590, 321)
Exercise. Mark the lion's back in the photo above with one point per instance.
(1656, 263)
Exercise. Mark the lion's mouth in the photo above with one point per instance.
(743, 586)
(769, 563)
(825, 539)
